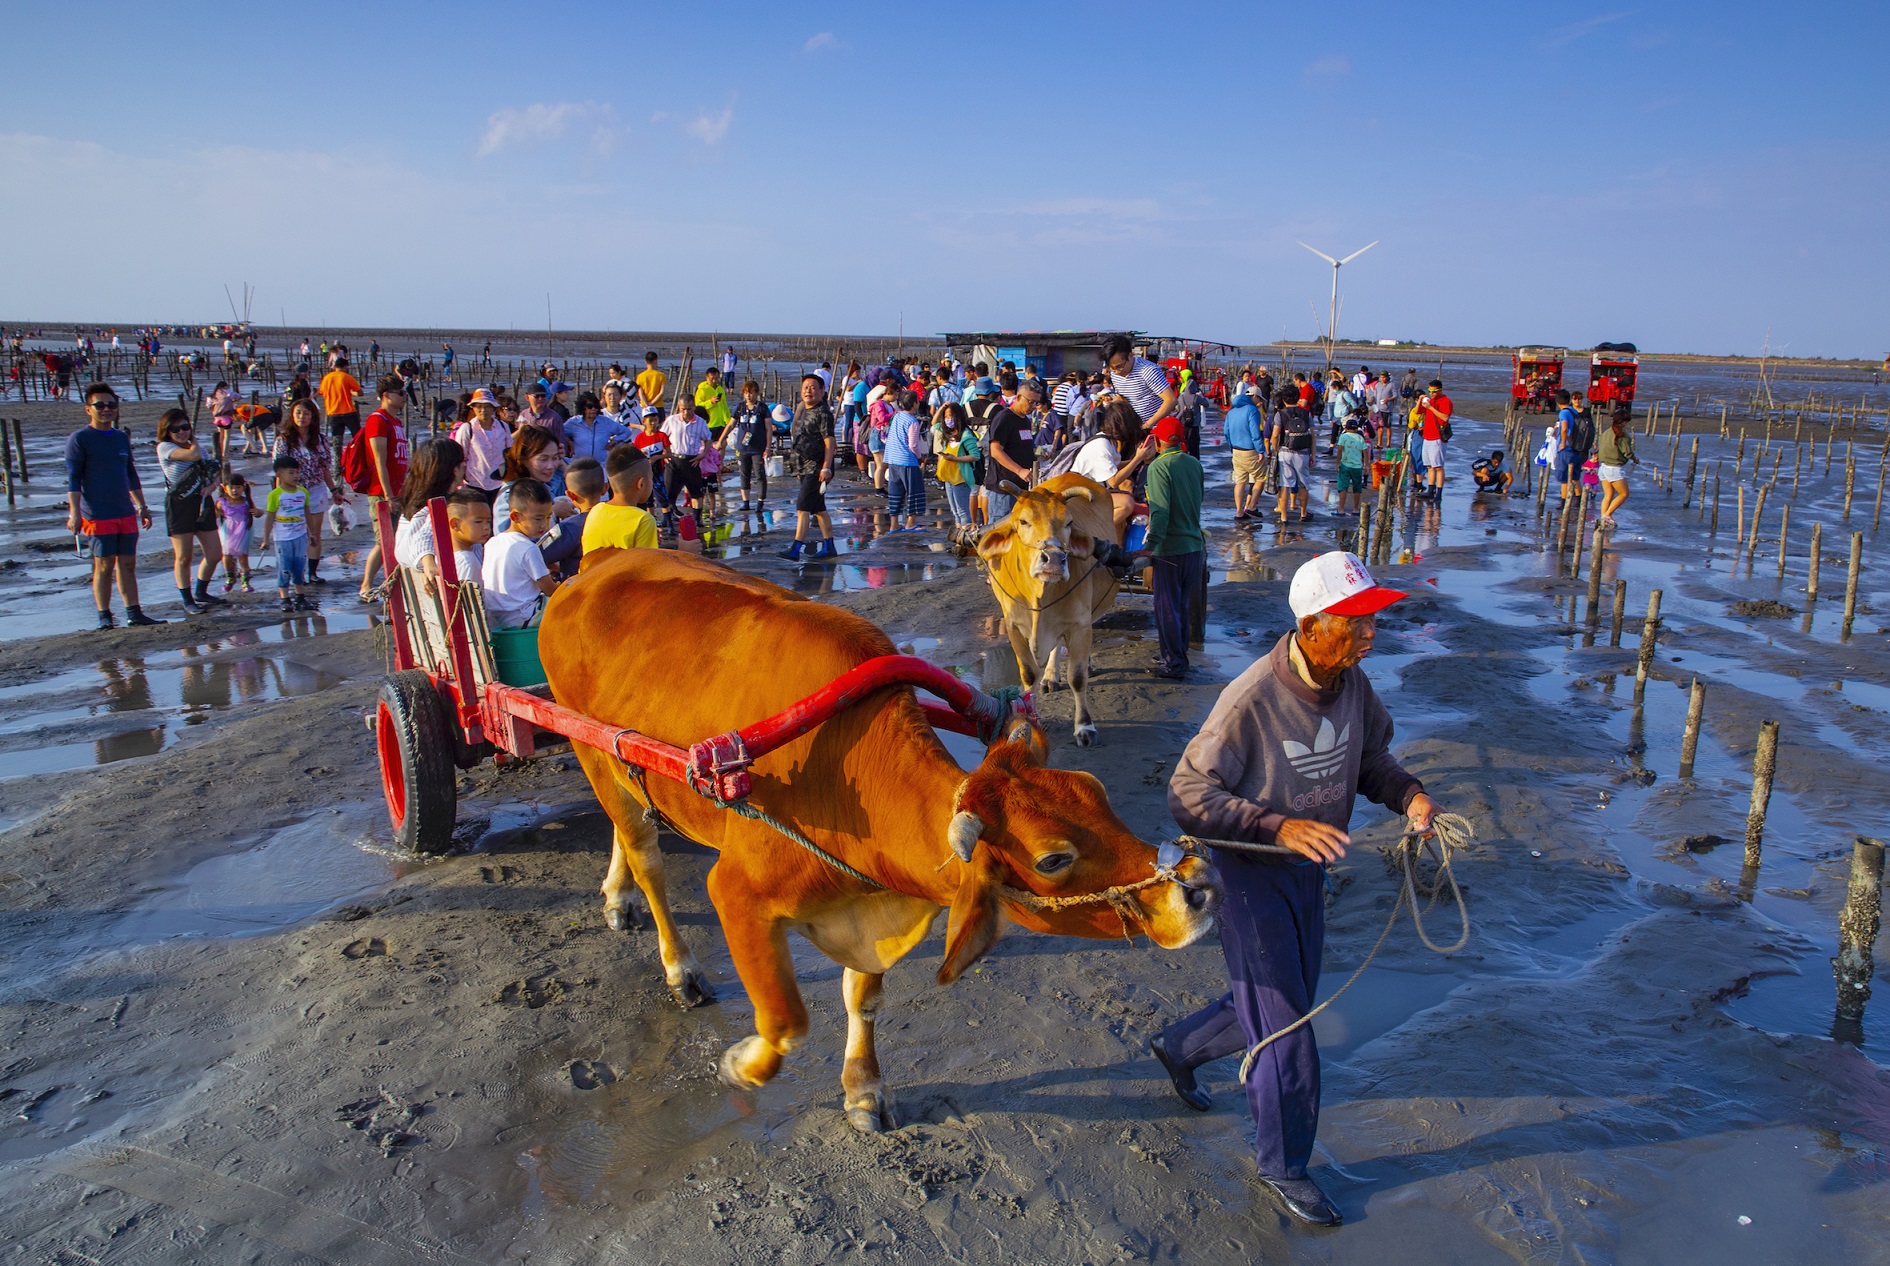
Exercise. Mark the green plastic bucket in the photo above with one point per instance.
(515, 655)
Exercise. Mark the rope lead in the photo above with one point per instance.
(1449, 832)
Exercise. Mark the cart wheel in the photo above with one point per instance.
(416, 751)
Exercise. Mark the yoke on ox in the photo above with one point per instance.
(676, 647)
(1051, 585)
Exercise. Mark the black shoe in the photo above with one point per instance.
(136, 616)
(1159, 669)
(1304, 1200)
(105, 619)
(288, 607)
(1185, 1086)
(203, 599)
(191, 607)
(303, 604)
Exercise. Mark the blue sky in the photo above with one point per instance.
(1685, 176)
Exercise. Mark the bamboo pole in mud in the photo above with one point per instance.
(1876, 516)
(1850, 581)
(1797, 455)
(1752, 534)
(1817, 560)
(1693, 467)
(1594, 578)
(1857, 929)
(1850, 483)
(1650, 631)
(1690, 737)
(1713, 528)
(1739, 459)
(1575, 563)
(1739, 523)
(6, 464)
(26, 476)
(1362, 545)
(1784, 526)
(1764, 761)
(1620, 612)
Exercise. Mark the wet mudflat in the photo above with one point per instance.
(238, 1029)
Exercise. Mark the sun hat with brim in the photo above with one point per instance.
(481, 396)
(1337, 583)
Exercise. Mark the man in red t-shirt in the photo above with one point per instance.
(1435, 409)
(386, 438)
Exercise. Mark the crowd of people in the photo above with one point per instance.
(970, 433)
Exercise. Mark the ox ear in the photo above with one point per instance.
(974, 923)
(996, 541)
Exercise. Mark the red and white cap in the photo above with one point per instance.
(1337, 583)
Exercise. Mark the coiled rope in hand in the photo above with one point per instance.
(1449, 832)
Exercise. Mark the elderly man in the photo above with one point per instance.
(1289, 745)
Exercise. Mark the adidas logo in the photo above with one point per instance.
(1325, 757)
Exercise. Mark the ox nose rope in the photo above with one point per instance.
(1449, 832)
(1074, 586)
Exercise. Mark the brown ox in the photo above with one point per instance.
(682, 649)
(1043, 568)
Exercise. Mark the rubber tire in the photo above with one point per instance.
(415, 742)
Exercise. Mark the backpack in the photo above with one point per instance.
(1581, 433)
(1296, 430)
(1064, 460)
(357, 467)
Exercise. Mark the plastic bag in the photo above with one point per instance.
(340, 518)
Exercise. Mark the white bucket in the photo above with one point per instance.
(776, 467)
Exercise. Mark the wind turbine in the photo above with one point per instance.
(1332, 322)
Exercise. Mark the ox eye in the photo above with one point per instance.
(1053, 863)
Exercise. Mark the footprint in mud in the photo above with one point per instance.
(589, 1074)
(366, 947)
(498, 874)
(532, 994)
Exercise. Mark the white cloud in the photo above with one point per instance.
(1576, 30)
(1331, 66)
(516, 127)
(710, 128)
(824, 40)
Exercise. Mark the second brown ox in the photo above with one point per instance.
(1042, 563)
(682, 649)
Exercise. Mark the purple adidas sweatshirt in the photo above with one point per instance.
(1275, 748)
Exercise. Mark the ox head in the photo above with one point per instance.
(1041, 531)
(1027, 833)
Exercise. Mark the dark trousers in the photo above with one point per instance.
(1177, 576)
(1273, 931)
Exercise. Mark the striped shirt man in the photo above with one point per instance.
(1061, 397)
(1143, 387)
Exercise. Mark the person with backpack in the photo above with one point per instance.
(1574, 439)
(1436, 409)
(1242, 429)
(375, 463)
(1292, 443)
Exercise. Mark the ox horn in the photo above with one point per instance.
(963, 833)
(1078, 491)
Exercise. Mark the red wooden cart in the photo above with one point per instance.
(443, 707)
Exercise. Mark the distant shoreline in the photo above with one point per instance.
(675, 338)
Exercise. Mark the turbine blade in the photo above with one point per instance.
(1360, 251)
(1323, 255)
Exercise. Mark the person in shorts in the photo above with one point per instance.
(1355, 451)
(1292, 440)
(1435, 408)
(338, 390)
(190, 511)
(811, 438)
(385, 435)
(105, 502)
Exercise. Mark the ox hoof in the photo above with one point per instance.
(735, 1060)
(623, 920)
(1047, 685)
(873, 1115)
(1086, 736)
(692, 991)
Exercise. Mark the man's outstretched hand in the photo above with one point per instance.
(1312, 839)
(1421, 810)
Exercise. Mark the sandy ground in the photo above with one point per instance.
(238, 1029)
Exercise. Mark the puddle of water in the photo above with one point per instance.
(186, 693)
(1382, 1001)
